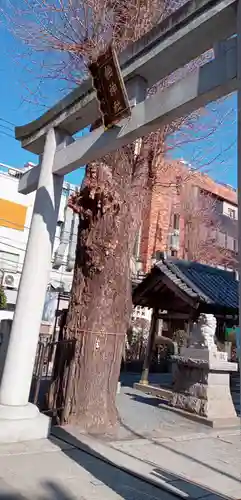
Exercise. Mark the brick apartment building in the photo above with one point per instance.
(212, 226)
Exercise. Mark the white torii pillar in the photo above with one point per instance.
(20, 420)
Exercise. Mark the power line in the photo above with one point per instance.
(7, 121)
(15, 247)
(57, 279)
(6, 127)
(16, 265)
(11, 246)
(19, 248)
(8, 135)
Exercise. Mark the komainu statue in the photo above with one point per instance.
(203, 333)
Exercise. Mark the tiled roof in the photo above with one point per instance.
(213, 287)
(172, 272)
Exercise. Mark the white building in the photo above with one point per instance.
(139, 312)
(15, 218)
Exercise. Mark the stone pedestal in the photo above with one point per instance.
(201, 386)
(22, 423)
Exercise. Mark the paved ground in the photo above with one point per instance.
(172, 454)
(50, 470)
(193, 463)
(199, 462)
(142, 417)
(177, 445)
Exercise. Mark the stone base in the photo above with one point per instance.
(216, 360)
(202, 387)
(217, 423)
(166, 395)
(22, 423)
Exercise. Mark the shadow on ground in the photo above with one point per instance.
(150, 400)
(164, 380)
(125, 484)
(53, 492)
(128, 379)
(181, 454)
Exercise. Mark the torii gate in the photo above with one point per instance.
(190, 31)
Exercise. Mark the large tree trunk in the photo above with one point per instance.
(99, 322)
(110, 207)
(99, 308)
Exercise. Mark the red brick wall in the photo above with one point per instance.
(157, 219)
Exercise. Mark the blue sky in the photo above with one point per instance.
(209, 145)
(17, 107)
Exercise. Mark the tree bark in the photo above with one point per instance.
(100, 304)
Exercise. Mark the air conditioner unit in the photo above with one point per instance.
(10, 280)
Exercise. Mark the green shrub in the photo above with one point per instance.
(3, 299)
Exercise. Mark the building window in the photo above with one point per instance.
(178, 184)
(176, 221)
(231, 213)
(9, 261)
(174, 253)
(230, 210)
(230, 243)
(222, 239)
(136, 249)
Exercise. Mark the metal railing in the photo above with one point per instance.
(51, 354)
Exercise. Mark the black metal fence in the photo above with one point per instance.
(49, 354)
(135, 355)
